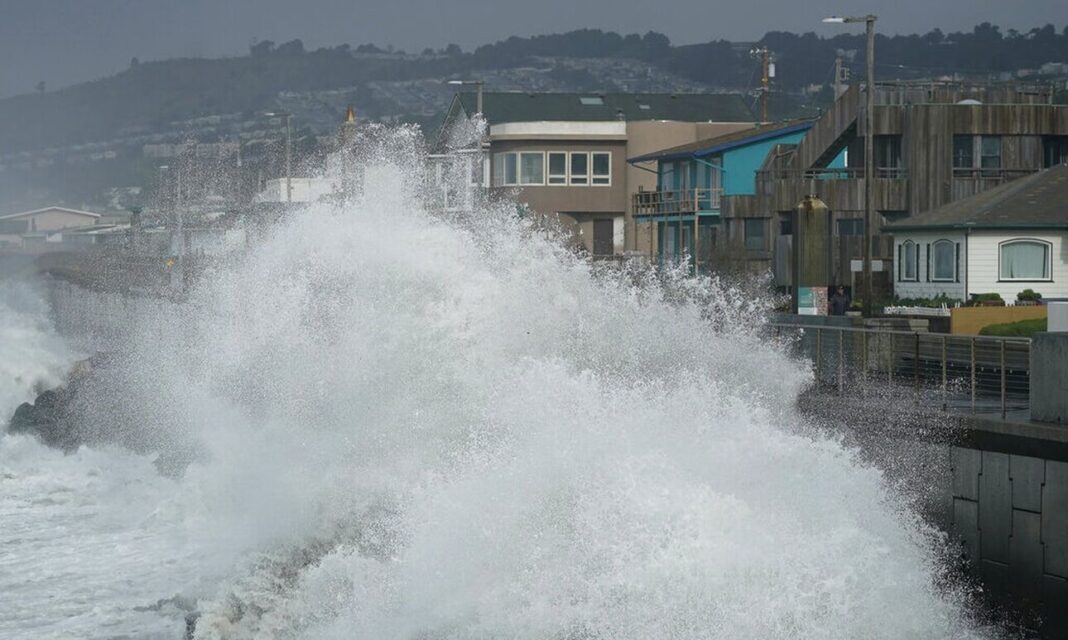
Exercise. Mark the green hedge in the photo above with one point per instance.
(1022, 328)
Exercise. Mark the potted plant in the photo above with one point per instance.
(1028, 297)
(856, 309)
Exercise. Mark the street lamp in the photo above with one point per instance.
(477, 83)
(869, 147)
(289, 149)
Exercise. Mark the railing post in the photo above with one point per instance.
(973, 375)
(841, 360)
(916, 362)
(890, 362)
(864, 356)
(944, 364)
(819, 355)
(1002, 379)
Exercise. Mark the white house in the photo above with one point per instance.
(1003, 240)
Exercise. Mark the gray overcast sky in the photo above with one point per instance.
(67, 41)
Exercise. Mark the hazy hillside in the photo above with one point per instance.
(69, 144)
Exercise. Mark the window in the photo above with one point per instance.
(943, 261)
(557, 168)
(908, 258)
(505, 169)
(580, 169)
(990, 155)
(1054, 151)
(532, 168)
(851, 227)
(977, 155)
(887, 155)
(963, 153)
(786, 226)
(1024, 260)
(602, 168)
(754, 234)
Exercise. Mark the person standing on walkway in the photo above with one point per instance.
(840, 302)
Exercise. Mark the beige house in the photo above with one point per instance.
(30, 230)
(565, 154)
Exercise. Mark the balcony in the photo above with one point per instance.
(679, 202)
(841, 188)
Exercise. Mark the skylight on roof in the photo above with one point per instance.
(592, 100)
(644, 106)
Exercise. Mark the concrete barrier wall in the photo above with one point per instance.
(1049, 377)
(1009, 512)
(969, 320)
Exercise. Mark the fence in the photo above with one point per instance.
(976, 373)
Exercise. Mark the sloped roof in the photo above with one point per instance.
(1038, 201)
(727, 141)
(513, 106)
(44, 209)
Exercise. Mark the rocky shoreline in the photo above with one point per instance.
(58, 418)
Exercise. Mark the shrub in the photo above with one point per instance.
(1022, 328)
(935, 302)
(986, 299)
(1029, 295)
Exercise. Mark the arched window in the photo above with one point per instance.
(943, 261)
(1024, 259)
(907, 261)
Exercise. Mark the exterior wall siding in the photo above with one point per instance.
(741, 163)
(983, 276)
(925, 286)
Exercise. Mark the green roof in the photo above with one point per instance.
(1038, 201)
(500, 107)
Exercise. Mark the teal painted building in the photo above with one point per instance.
(698, 181)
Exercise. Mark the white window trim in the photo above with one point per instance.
(902, 272)
(1049, 259)
(934, 261)
(567, 176)
(594, 176)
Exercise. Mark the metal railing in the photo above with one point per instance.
(832, 173)
(970, 373)
(659, 203)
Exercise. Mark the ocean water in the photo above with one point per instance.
(415, 426)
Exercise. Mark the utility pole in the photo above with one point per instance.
(766, 73)
(289, 149)
(837, 76)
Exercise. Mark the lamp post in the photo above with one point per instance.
(289, 149)
(869, 148)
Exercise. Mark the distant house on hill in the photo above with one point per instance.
(565, 154)
(29, 230)
(1004, 240)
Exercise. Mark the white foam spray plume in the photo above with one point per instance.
(424, 426)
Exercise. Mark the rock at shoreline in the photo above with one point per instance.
(47, 418)
(71, 416)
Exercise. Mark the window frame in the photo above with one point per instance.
(519, 167)
(904, 262)
(1048, 266)
(759, 223)
(571, 175)
(934, 260)
(594, 176)
(550, 176)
